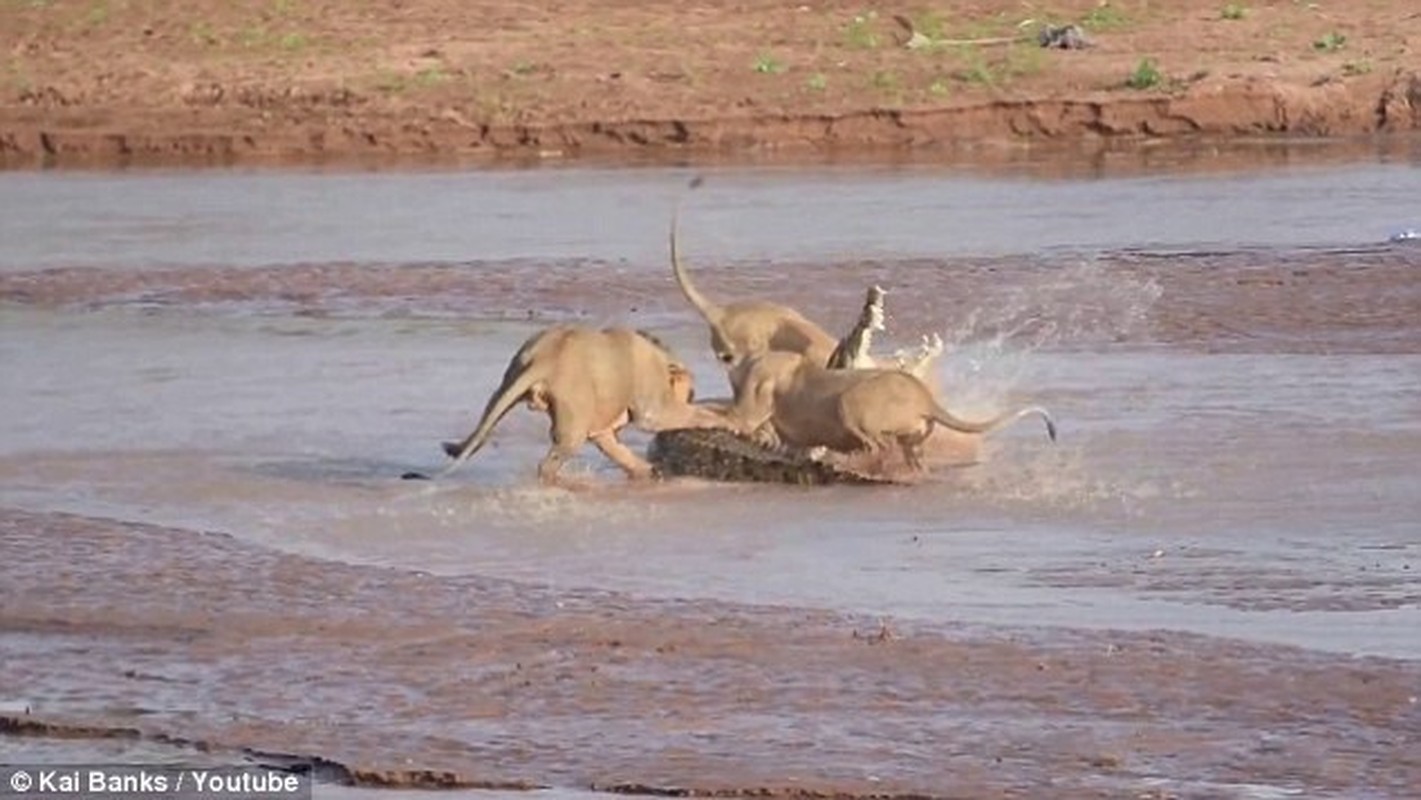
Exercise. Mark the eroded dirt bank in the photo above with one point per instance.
(117, 81)
(482, 682)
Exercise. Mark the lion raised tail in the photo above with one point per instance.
(708, 310)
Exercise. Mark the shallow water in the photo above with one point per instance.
(140, 220)
(1206, 506)
(1234, 359)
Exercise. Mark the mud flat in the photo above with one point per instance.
(494, 683)
(209, 82)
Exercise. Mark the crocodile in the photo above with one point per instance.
(852, 352)
(724, 455)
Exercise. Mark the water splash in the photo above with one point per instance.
(1064, 478)
(990, 351)
(994, 363)
(1088, 303)
(603, 500)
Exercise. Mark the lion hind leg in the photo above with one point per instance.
(912, 447)
(867, 440)
(568, 433)
(551, 466)
(634, 465)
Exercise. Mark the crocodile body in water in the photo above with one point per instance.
(723, 455)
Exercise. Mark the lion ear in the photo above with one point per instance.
(678, 377)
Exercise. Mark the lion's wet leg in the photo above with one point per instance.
(551, 466)
(567, 436)
(912, 447)
(634, 465)
(867, 441)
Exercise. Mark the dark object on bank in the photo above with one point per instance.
(1063, 37)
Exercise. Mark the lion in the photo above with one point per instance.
(787, 398)
(591, 383)
(747, 328)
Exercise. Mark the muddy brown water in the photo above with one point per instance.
(1209, 587)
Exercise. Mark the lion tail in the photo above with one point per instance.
(944, 417)
(518, 380)
(709, 310)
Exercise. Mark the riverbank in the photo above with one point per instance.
(111, 82)
(414, 680)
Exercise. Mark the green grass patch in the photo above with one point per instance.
(862, 31)
(253, 37)
(1025, 58)
(1331, 42)
(203, 34)
(15, 78)
(430, 76)
(886, 80)
(930, 24)
(98, 14)
(979, 72)
(889, 84)
(395, 82)
(293, 42)
(387, 80)
(766, 64)
(1233, 11)
(1105, 16)
(1146, 75)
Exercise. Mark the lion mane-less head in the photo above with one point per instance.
(683, 385)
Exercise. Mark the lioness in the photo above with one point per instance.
(748, 328)
(592, 383)
(787, 397)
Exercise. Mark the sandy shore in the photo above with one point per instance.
(204, 639)
(114, 81)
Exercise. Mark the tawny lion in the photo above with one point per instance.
(788, 398)
(747, 328)
(591, 383)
